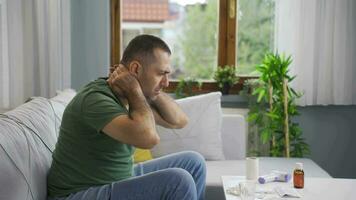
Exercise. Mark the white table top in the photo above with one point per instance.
(314, 188)
(216, 169)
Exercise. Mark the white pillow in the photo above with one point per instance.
(202, 133)
(61, 100)
(64, 96)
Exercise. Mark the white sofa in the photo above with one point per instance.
(28, 137)
(29, 133)
(27, 140)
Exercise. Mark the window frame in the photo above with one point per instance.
(227, 37)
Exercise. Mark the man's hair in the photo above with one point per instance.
(141, 48)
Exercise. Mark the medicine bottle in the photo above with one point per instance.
(298, 176)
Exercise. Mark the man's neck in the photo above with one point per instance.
(122, 98)
(124, 101)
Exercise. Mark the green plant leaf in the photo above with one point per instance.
(272, 115)
(265, 136)
(261, 94)
(252, 117)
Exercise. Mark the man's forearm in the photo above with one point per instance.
(138, 127)
(169, 110)
(140, 111)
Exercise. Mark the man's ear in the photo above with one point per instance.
(135, 68)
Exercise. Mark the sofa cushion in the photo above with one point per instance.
(234, 136)
(64, 96)
(27, 139)
(202, 133)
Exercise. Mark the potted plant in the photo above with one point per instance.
(225, 77)
(275, 107)
(185, 87)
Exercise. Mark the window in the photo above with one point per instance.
(189, 29)
(202, 34)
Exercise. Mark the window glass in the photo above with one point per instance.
(190, 28)
(255, 33)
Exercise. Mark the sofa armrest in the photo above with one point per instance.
(234, 136)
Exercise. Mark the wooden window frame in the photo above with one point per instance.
(226, 42)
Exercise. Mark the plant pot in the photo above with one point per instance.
(226, 88)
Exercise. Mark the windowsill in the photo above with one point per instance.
(211, 86)
(229, 101)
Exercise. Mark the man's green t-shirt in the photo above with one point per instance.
(85, 156)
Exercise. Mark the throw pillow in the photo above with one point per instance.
(201, 134)
(59, 102)
(142, 155)
(64, 96)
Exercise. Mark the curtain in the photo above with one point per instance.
(320, 36)
(38, 47)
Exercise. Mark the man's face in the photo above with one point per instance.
(154, 77)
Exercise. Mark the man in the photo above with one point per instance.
(108, 118)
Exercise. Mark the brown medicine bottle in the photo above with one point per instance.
(298, 176)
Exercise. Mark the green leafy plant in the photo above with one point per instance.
(185, 87)
(275, 107)
(225, 77)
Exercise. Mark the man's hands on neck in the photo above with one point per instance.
(124, 84)
(138, 127)
(165, 110)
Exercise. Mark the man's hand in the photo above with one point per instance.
(123, 82)
(138, 127)
(112, 68)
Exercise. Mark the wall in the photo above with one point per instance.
(331, 133)
(90, 29)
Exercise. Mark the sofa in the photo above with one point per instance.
(29, 134)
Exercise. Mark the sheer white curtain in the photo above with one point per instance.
(38, 50)
(321, 37)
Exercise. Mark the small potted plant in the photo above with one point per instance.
(185, 87)
(225, 77)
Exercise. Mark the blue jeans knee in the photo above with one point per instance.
(186, 187)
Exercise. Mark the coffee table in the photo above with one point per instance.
(216, 169)
(314, 188)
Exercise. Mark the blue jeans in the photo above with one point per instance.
(178, 176)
